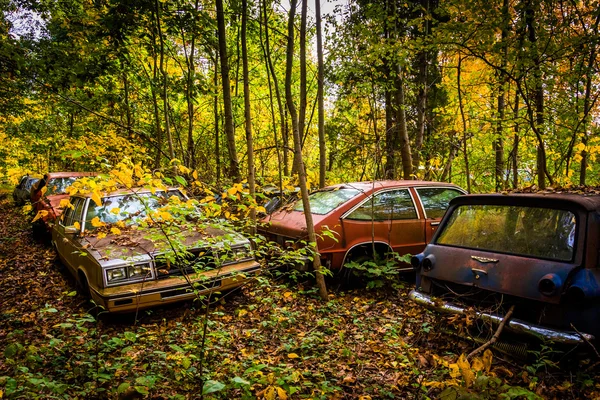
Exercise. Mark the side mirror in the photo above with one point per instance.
(71, 230)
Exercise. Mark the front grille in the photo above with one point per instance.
(197, 285)
(199, 260)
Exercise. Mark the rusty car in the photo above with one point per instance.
(125, 264)
(532, 258)
(46, 195)
(356, 221)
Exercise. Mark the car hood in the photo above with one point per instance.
(289, 223)
(136, 245)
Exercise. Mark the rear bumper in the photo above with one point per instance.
(514, 325)
(155, 293)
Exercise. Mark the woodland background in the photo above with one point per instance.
(487, 94)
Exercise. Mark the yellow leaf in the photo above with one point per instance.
(293, 355)
(281, 393)
(76, 225)
(96, 223)
(287, 294)
(465, 370)
(165, 215)
(65, 203)
(40, 214)
(261, 209)
(195, 174)
(27, 208)
(115, 210)
(487, 360)
(96, 199)
(115, 231)
(101, 235)
(454, 370)
(477, 364)
(270, 393)
(120, 224)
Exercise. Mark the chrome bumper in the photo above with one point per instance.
(514, 325)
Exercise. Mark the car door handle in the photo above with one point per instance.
(435, 223)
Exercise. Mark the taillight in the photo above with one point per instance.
(415, 261)
(550, 285)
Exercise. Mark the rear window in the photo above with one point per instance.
(59, 185)
(324, 202)
(525, 231)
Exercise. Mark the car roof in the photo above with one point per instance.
(52, 175)
(589, 202)
(124, 191)
(384, 184)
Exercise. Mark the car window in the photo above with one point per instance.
(323, 202)
(131, 207)
(527, 231)
(435, 200)
(59, 185)
(30, 182)
(389, 205)
(72, 215)
(22, 182)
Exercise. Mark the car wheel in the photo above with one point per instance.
(82, 285)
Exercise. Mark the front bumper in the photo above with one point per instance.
(129, 298)
(513, 325)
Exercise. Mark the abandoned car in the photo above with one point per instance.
(21, 194)
(124, 263)
(534, 253)
(387, 216)
(47, 200)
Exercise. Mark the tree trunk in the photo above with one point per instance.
(234, 167)
(515, 148)
(271, 74)
(302, 108)
(191, 156)
(312, 240)
(165, 80)
(153, 85)
(464, 123)
(248, 116)
(401, 127)
(321, 107)
(216, 109)
(498, 141)
(422, 91)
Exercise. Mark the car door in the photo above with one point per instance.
(389, 216)
(435, 201)
(68, 245)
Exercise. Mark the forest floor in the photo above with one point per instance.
(272, 339)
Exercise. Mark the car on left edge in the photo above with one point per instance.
(133, 267)
(22, 191)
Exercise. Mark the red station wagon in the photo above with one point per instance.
(399, 216)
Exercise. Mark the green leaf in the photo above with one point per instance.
(73, 293)
(180, 180)
(212, 387)
(130, 336)
(176, 348)
(11, 350)
(123, 387)
(240, 381)
(141, 390)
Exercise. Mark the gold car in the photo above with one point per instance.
(137, 266)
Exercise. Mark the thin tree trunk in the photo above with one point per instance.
(158, 157)
(165, 80)
(312, 239)
(464, 123)
(422, 92)
(248, 116)
(321, 107)
(191, 156)
(234, 167)
(498, 141)
(127, 106)
(515, 148)
(270, 73)
(216, 109)
(401, 127)
(302, 108)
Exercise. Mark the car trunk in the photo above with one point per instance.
(289, 224)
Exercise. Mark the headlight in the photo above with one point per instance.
(242, 253)
(116, 274)
(128, 273)
(139, 271)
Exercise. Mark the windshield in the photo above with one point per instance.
(129, 208)
(324, 202)
(59, 185)
(528, 231)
